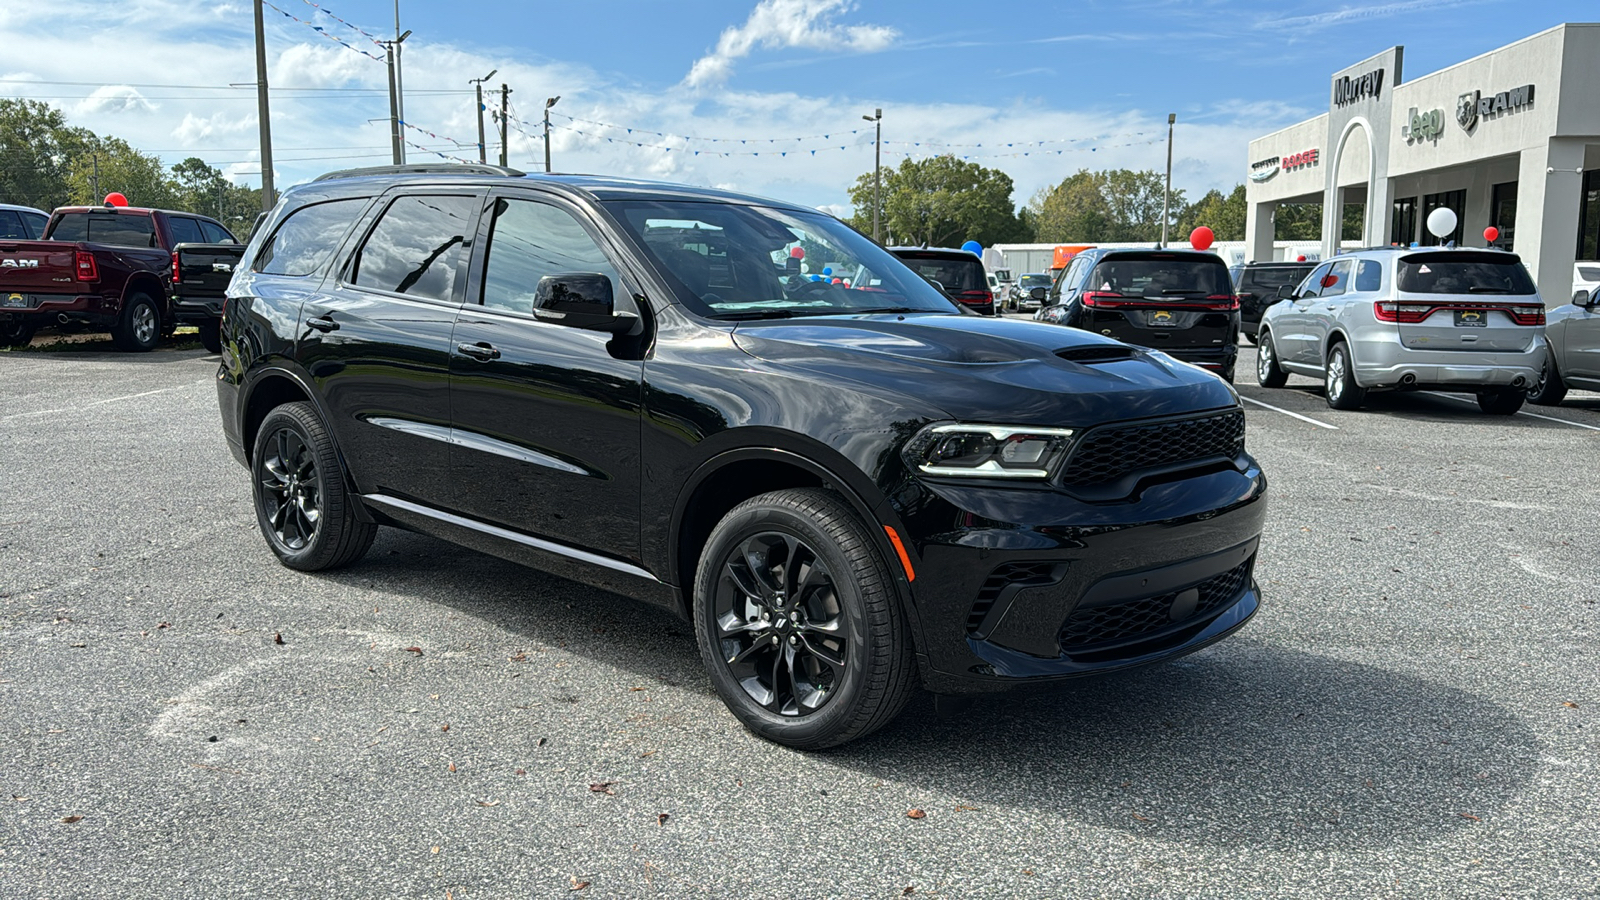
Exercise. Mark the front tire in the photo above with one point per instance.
(138, 329)
(1268, 373)
(799, 622)
(1551, 389)
(302, 506)
(1501, 403)
(1339, 380)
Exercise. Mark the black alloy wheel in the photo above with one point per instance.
(799, 623)
(139, 327)
(1550, 389)
(1268, 373)
(302, 506)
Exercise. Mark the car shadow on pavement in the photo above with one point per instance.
(1246, 744)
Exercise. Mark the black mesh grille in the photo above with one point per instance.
(1037, 573)
(1096, 353)
(1107, 454)
(1114, 622)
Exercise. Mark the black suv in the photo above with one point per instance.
(1257, 285)
(1180, 302)
(959, 273)
(847, 490)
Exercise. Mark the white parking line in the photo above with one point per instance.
(1294, 415)
(51, 412)
(1521, 412)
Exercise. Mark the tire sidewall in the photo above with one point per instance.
(277, 420)
(129, 335)
(840, 711)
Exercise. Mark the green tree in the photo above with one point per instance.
(941, 201)
(205, 190)
(36, 150)
(1074, 210)
(1303, 222)
(1223, 214)
(110, 164)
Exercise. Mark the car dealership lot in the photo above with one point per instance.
(1411, 714)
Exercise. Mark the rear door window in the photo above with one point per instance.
(106, 228)
(1463, 273)
(305, 240)
(216, 234)
(415, 249)
(1159, 275)
(35, 224)
(185, 230)
(11, 226)
(1337, 280)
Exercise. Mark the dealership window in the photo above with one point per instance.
(1456, 201)
(1403, 224)
(1589, 217)
(1503, 213)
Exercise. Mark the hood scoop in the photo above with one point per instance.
(1096, 353)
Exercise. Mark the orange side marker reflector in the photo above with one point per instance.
(905, 561)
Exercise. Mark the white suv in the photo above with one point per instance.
(1409, 319)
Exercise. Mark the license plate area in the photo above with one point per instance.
(1472, 318)
(16, 301)
(1162, 318)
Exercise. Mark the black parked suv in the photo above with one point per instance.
(1257, 285)
(847, 490)
(1180, 302)
(958, 272)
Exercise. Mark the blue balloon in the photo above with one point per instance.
(816, 278)
(973, 247)
(827, 270)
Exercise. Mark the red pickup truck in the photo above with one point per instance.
(110, 267)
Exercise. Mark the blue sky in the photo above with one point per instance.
(1092, 79)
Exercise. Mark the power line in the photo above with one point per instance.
(225, 87)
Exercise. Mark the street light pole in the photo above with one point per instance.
(397, 144)
(267, 198)
(877, 174)
(399, 81)
(547, 104)
(505, 101)
(483, 156)
(1166, 196)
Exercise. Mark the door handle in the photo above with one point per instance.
(323, 324)
(481, 351)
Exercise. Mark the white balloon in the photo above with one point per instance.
(1442, 222)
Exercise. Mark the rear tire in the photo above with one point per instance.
(138, 329)
(302, 506)
(1268, 373)
(810, 654)
(211, 335)
(16, 332)
(1339, 380)
(1501, 403)
(1550, 389)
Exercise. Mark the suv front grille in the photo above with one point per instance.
(1087, 628)
(1107, 454)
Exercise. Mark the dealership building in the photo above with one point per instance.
(1509, 139)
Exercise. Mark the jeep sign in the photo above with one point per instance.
(1425, 126)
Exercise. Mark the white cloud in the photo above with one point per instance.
(195, 128)
(788, 23)
(113, 98)
(1353, 13)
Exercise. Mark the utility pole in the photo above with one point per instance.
(399, 82)
(94, 180)
(1166, 196)
(547, 104)
(267, 198)
(877, 175)
(505, 101)
(395, 139)
(478, 84)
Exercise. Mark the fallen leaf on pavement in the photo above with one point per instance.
(647, 753)
(578, 885)
(661, 818)
(966, 809)
(488, 802)
(910, 889)
(277, 637)
(445, 727)
(1142, 818)
(20, 799)
(520, 657)
(603, 787)
(416, 650)
(916, 814)
(436, 850)
(71, 819)
(1569, 704)
(521, 772)
(452, 767)
(1466, 816)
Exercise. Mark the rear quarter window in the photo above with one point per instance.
(306, 239)
(1462, 273)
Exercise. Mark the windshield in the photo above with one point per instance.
(731, 261)
(1032, 281)
(1463, 273)
(1159, 275)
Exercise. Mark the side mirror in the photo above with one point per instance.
(1038, 294)
(1582, 299)
(580, 300)
(1285, 291)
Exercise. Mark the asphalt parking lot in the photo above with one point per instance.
(1412, 714)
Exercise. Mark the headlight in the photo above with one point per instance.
(988, 451)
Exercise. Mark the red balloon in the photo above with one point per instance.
(798, 253)
(115, 198)
(1300, 258)
(1201, 238)
(1491, 234)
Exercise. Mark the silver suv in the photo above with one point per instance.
(1394, 318)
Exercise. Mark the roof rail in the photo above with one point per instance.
(424, 169)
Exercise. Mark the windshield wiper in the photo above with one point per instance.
(1486, 289)
(757, 314)
(881, 309)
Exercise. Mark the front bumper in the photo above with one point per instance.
(1016, 586)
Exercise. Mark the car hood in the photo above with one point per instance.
(982, 369)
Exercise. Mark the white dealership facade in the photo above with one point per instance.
(1509, 139)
